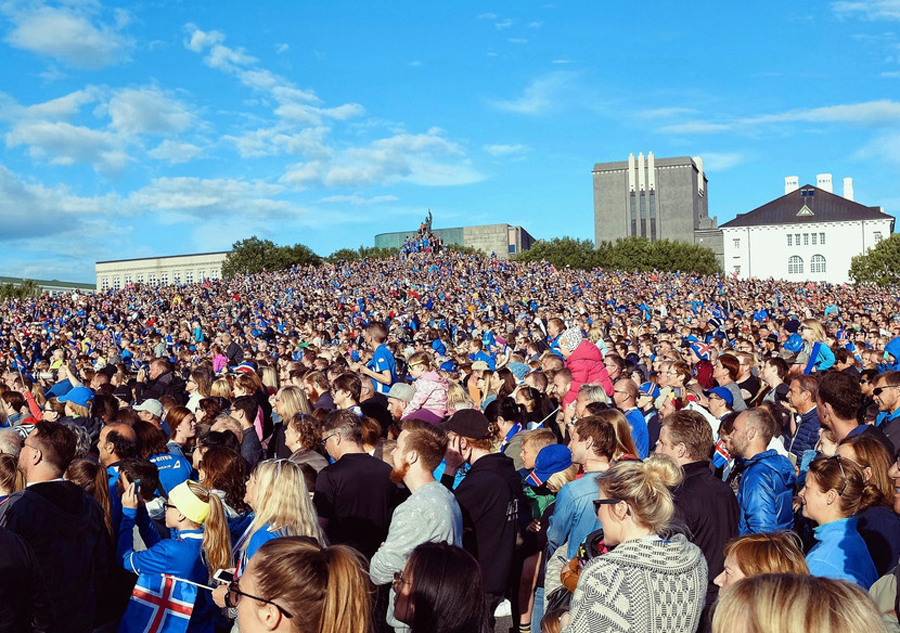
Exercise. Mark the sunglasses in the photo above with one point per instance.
(877, 391)
(234, 596)
(603, 502)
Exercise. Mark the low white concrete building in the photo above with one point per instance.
(808, 234)
(159, 271)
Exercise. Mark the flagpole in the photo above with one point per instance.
(190, 582)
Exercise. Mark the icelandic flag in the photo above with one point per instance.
(159, 604)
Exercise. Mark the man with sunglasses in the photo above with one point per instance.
(838, 400)
(887, 396)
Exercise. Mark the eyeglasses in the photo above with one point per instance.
(31, 446)
(602, 502)
(877, 391)
(327, 437)
(166, 506)
(233, 597)
(399, 580)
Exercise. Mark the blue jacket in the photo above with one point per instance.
(807, 433)
(841, 554)
(766, 494)
(179, 556)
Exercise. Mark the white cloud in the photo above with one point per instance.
(517, 40)
(717, 162)
(200, 40)
(148, 111)
(72, 34)
(504, 24)
(308, 142)
(188, 197)
(505, 150)
(64, 107)
(539, 97)
(422, 159)
(870, 9)
(282, 48)
(868, 114)
(358, 200)
(486, 16)
(175, 152)
(535, 25)
(65, 144)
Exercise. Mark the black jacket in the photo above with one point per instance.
(167, 384)
(489, 498)
(707, 512)
(25, 599)
(65, 528)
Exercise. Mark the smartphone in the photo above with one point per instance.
(223, 576)
(137, 484)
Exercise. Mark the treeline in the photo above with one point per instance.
(253, 255)
(28, 288)
(626, 254)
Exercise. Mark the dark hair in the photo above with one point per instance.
(842, 392)
(601, 432)
(429, 441)
(56, 442)
(808, 384)
(248, 405)
(505, 408)
(780, 365)
(220, 438)
(371, 431)
(211, 408)
(14, 399)
(509, 382)
(447, 590)
(145, 470)
(226, 470)
(349, 382)
(344, 422)
(105, 407)
(150, 440)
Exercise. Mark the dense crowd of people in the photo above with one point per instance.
(433, 441)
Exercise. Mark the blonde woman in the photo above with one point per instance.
(756, 554)
(288, 403)
(815, 346)
(649, 583)
(790, 603)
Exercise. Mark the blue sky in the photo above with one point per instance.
(159, 128)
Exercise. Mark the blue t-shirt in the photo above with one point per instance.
(639, 432)
(381, 361)
(173, 470)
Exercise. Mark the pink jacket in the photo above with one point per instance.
(431, 394)
(586, 365)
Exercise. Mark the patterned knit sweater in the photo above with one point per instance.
(646, 585)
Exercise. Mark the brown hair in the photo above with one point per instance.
(175, 417)
(872, 455)
(92, 477)
(421, 358)
(602, 432)
(325, 590)
(539, 438)
(731, 364)
(226, 470)
(11, 478)
(56, 442)
(427, 440)
(770, 553)
(691, 429)
(847, 478)
(309, 429)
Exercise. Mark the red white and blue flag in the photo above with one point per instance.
(159, 604)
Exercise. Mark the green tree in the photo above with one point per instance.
(879, 265)
(363, 252)
(28, 288)
(562, 252)
(253, 255)
(464, 250)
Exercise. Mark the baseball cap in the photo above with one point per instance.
(82, 396)
(151, 405)
(402, 391)
(649, 389)
(551, 459)
(723, 393)
(469, 423)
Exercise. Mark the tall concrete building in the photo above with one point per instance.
(656, 198)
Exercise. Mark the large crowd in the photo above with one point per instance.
(440, 442)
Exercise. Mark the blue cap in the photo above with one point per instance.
(723, 393)
(649, 389)
(794, 343)
(551, 459)
(82, 396)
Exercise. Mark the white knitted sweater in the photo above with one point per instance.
(647, 585)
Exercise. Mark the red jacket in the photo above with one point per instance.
(586, 365)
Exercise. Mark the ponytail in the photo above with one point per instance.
(216, 537)
(101, 494)
(347, 602)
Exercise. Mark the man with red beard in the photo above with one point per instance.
(430, 514)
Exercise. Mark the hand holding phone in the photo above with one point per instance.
(224, 576)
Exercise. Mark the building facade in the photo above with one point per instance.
(159, 271)
(52, 287)
(502, 240)
(808, 234)
(655, 198)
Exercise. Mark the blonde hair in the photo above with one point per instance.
(216, 537)
(282, 501)
(624, 441)
(775, 553)
(559, 479)
(644, 486)
(221, 388)
(269, 377)
(791, 603)
(294, 401)
(817, 329)
(325, 590)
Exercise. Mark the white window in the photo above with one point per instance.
(821, 238)
(214, 275)
(795, 265)
(140, 278)
(189, 277)
(796, 239)
(790, 239)
(201, 276)
(152, 279)
(117, 283)
(127, 279)
(806, 239)
(177, 278)
(164, 279)
(104, 283)
(877, 236)
(815, 237)
(737, 243)
(817, 264)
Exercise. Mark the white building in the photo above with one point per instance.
(159, 271)
(808, 234)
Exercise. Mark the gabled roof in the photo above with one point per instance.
(799, 207)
